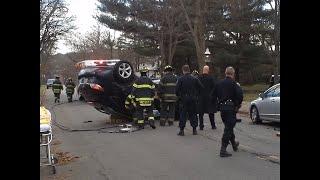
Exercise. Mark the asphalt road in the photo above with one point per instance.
(160, 153)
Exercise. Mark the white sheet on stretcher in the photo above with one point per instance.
(45, 120)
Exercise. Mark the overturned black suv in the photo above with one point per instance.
(105, 84)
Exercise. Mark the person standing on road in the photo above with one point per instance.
(271, 81)
(70, 89)
(57, 88)
(167, 96)
(143, 92)
(206, 103)
(187, 90)
(228, 96)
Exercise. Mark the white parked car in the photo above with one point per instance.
(267, 106)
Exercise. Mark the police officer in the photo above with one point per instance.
(167, 96)
(57, 88)
(70, 89)
(229, 96)
(195, 74)
(143, 92)
(187, 90)
(206, 105)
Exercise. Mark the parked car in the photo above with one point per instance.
(105, 84)
(267, 106)
(49, 83)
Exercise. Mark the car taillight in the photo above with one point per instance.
(96, 87)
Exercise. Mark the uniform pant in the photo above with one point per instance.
(139, 118)
(167, 111)
(188, 109)
(57, 96)
(211, 117)
(229, 121)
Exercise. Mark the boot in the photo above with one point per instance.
(181, 133)
(201, 128)
(152, 124)
(223, 151)
(214, 127)
(170, 123)
(162, 122)
(235, 145)
(195, 131)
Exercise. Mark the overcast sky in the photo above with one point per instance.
(83, 10)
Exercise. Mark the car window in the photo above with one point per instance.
(269, 93)
(276, 92)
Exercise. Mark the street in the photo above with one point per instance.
(160, 153)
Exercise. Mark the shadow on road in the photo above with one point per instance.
(268, 124)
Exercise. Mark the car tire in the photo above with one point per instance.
(254, 115)
(123, 72)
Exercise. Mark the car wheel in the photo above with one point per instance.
(254, 115)
(123, 72)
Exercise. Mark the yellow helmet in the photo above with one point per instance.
(144, 70)
(168, 68)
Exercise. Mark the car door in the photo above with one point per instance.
(265, 107)
(275, 100)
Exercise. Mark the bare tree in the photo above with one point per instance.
(54, 23)
(196, 22)
(96, 44)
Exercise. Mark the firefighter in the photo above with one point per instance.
(57, 88)
(167, 96)
(130, 105)
(143, 92)
(70, 89)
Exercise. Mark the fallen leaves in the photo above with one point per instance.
(65, 158)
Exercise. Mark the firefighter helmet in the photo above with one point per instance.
(144, 70)
(168, 68)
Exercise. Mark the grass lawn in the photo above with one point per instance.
(251, 92)
(248, 97)
(255, 87)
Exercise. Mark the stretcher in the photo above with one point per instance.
(45, 139)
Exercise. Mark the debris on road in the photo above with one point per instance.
(65, 158)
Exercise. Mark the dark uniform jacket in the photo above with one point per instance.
(167, 87)
(228, 89)
(70, 87)
(143, 91)
(188, 87)
(57, 86)
(206, 103)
